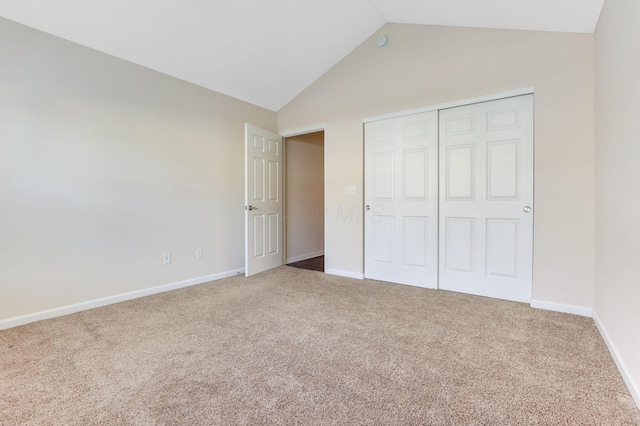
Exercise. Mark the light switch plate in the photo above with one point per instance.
(350, 190)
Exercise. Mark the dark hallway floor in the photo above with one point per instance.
(313, 264)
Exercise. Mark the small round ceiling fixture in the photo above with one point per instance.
(382, 41)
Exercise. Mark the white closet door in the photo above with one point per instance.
(401, 200)
(486, 198)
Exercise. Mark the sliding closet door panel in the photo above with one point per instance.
(486, 198)
(401, 196)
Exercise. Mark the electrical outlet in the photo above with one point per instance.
(166, 258)
(350, 190)
(199, 254)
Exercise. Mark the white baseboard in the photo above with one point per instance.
(634, 387)
(344, 274)
(561, 307)
(304, 257)
(96, 303)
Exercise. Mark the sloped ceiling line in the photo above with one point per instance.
(237, 47)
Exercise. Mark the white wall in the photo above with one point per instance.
(428, 65)
(305, 196)
(105, 165)
(617, 306)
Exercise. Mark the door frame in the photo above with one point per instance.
(297, 132)
(453, 104)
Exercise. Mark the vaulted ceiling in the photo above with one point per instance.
(267, 51)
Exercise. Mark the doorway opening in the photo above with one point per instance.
(305, 201)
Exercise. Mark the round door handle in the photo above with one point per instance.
(527, 209)
(252, 208)
(368, 207)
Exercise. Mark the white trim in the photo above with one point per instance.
(304, 257)
(304, 130)
(469, 101)
(634, 388)
(96, 303)
(284, 202)
(325, 159)
(346, 274)
(561, 307)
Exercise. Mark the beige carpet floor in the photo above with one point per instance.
(292, 346)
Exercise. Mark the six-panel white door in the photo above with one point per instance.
(486, 198)
(263, 200)
(401, 198)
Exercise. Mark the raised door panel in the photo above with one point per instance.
(415, 170)
(502, 248)
(415, 130)
(503, 170)
(259, 233)
(383, 238)
(384, 176)
(460, 125)
(274, 183)
(258, 143)
(460, 172)
(274, 232)
(459, 244)
(504, 119)
(383, 135)
(415, 249)
(258, 179)
(274, 147)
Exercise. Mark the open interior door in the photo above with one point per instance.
(263, 200)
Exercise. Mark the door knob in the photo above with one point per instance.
(368, 207)
(527, 209)
(251, 208)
